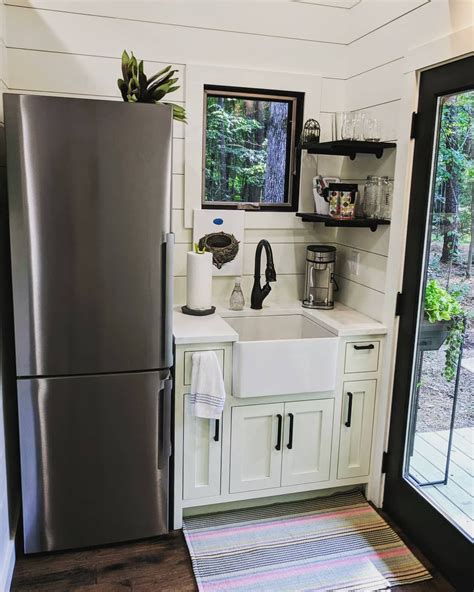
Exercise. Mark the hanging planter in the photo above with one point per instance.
(433, 335)
(444, 320)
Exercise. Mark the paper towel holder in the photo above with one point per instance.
(198, 312)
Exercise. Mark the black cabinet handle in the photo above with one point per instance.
(349, 411)
(370, 346)
(280, 422)
(217, 432)
(290, 438)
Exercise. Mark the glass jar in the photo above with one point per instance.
(387, 198)
(378, 197)
(369, 197)
(334, 203)
(359, 204)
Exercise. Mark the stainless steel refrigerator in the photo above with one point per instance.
(90, 208)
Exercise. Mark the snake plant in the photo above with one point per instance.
(137, 88)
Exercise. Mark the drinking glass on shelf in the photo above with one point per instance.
(372, 129)
(358, 124)
(336, 124)
(348, 123)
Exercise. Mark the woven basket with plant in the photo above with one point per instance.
(223, 246)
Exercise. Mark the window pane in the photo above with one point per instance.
(247, 149)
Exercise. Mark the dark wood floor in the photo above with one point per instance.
(161, 564)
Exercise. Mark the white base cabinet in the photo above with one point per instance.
(280, 444)
(356, 430)
(283, 445)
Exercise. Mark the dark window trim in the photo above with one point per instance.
(293, 154)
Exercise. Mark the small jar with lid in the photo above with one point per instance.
(342, 198)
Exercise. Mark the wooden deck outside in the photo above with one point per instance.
(455, 499)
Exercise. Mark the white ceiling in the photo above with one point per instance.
(327, 21)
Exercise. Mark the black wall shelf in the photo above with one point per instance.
(371, 223)
(347, 148)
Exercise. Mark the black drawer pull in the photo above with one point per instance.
(280, 421)
(290, 438)
(217, 432)
(370, 346)
(349, 411)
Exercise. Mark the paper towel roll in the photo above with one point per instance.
(199, 281)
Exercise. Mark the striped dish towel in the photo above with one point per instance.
(207, 385)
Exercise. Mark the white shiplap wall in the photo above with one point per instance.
(375, 82)
(72, 48)
(61, 48)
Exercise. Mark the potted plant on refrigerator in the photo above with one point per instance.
(443, 321)
(137, 88)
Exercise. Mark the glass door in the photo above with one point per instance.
(438, 451)
(430, 475)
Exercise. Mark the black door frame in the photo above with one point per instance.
(440, 540)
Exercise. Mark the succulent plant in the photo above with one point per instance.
(137, 88)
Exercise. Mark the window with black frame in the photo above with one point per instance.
(249, 153)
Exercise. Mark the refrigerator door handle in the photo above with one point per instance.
(168, 324)
(165, 451)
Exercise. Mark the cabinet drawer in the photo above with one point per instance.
(362, 356)
(188, 363)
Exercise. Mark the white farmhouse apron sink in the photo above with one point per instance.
(281, 355)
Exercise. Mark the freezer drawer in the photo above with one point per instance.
(94, 459)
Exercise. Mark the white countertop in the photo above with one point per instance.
(341, 320)
(209, 329)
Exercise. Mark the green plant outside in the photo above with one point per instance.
(246, 146)
(440, 305)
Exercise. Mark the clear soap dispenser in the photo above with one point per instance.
(237, 300)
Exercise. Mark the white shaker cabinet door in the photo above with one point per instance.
(307, 441)
(256, 443)
(356, 430)
(202, 455)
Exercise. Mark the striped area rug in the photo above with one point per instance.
(333, 543)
